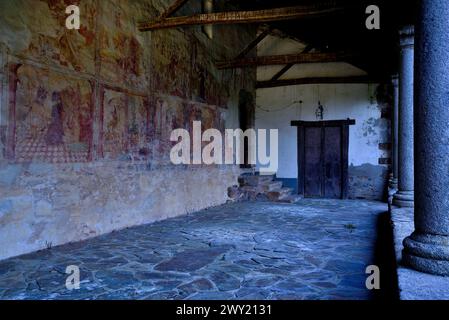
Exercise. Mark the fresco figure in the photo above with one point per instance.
(55, 132)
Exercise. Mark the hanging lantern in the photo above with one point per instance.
(319, 112)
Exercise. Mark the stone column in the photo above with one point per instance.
(427, 249)
(394, 135)
(405, 196)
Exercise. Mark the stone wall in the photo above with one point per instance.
(86, 116)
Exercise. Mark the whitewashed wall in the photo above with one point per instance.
(277, 107)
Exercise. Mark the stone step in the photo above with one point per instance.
(278, 194)
(286, 191)
(273, 186)
(255, 187)
(252, 189)
(255, 180)
(292, 198)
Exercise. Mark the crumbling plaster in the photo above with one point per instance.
(85, 117)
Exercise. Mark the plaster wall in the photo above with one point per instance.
(86, 117)
(277, 107)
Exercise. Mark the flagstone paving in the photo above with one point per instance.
(316, 249)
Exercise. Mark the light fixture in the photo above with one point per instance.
(319, 112)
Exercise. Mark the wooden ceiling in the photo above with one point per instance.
(375, 51)
(333, 29)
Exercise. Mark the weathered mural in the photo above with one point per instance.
(36, 31)
(182, 68)
(51, 116)
(173, 113)
(86, 117)
(124, 125)
(110, 66)
(122, 58)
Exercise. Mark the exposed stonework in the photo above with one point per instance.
(261, 188)
(368, 182)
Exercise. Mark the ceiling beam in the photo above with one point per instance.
(320, 80)
(238, 17)
(284, 59)
(254, 43)
(281, 72)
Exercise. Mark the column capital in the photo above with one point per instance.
(407, 36)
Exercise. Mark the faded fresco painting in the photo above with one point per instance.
(124, 130)
(121, 51)
(46, 39)
(181, 67)
(170, 114)
(171, 63)
(139, 118)
(114, 126)
(53, 116)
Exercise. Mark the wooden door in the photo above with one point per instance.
(313, 186)
(332, 162)
(323, 158)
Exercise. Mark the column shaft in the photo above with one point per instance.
(405, 196)
(427, 249)
(394, 135)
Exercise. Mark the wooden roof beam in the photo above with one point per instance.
(254, 43)
(319, 80)
(281, 72)
(239, 17)
(284, 60)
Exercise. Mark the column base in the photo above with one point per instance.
(404, 199)
(427, 253)
(393, 185)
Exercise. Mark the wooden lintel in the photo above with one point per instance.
(238, 17)
(284, 59)
(316, 80)
(326, 123)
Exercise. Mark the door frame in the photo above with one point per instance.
(344, 127)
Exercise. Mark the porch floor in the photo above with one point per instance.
(315, 249)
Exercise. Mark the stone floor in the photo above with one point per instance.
(316, 249)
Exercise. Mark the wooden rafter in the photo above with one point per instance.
(236, 17)
(254, 43)
(281, 72)
(284, 59)
(319, 80)
(172, 9)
